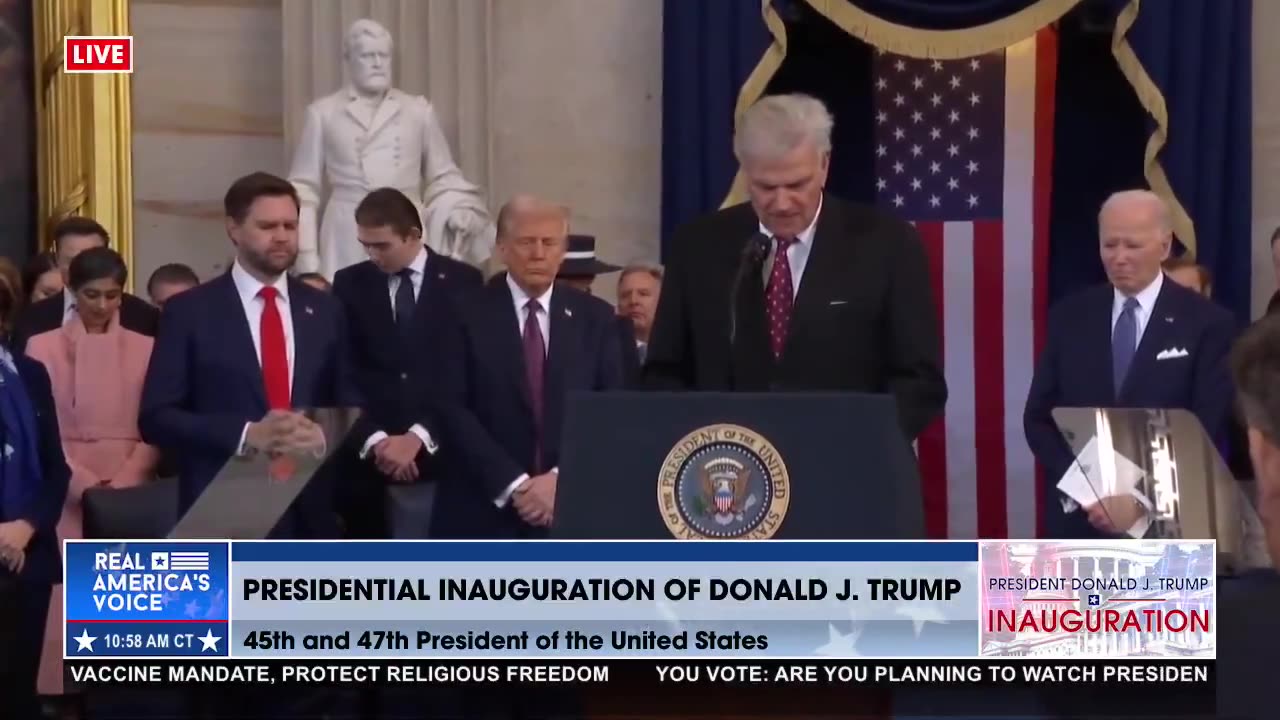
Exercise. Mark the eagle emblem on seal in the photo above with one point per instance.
(725, 483)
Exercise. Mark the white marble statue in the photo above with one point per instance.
(370, 135)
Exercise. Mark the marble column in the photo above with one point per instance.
(442, 51)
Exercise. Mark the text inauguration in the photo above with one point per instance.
(537, 589)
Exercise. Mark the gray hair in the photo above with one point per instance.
(653, 270)
(1140, 197)
(777, 124)
(363, 28)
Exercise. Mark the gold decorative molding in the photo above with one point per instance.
(84, 124)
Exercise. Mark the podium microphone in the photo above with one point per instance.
(753, 254)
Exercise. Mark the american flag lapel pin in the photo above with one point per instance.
(1168, 318)
(308, 310)
(568, 312)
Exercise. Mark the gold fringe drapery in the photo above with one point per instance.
(84, 125)
(899, 39)
(942, 44)
(1153, 102)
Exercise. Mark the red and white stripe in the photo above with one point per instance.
(990, 283)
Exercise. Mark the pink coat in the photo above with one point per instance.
(97, 385)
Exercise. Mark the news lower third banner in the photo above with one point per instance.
(659, 600)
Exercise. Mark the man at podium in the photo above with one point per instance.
(798, 290)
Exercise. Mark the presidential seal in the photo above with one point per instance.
(723, 482)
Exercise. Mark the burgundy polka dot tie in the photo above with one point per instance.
(778, 296)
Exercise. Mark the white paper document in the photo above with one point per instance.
(1090, 479)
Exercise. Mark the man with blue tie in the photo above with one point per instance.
(520, 347)
(1140, 341)
(398, 303)
(235, 355)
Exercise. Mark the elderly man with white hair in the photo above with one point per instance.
(797, 289)
(370, 135)
(1140, 341)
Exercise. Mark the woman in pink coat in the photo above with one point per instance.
(96, 368)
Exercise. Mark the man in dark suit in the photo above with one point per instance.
(798, 290)
(579, 270)
(31, 498)
(235, 355)
(71, 236)
(639, 287)
(1141, 340)
(519, 349)
(397, 302)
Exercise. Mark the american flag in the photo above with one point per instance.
(963, 150)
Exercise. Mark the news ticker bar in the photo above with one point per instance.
(1154, 673)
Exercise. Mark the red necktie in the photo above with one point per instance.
(275, 359)
(778, 296)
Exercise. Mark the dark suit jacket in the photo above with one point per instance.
(1248, 642)
(395, 377)
(205, 382)
(631, 365)
(1074, 370)
(863, 318)
(43, 560)
(490, 419)
(136, 314)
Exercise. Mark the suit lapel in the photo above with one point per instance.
(565, 328)
(305, 353)
(1156, 336)
(240, 338)
(507, 328)
(829, 258)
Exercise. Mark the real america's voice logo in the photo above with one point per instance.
(146, 598)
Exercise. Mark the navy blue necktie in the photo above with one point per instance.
(1124, 343)
(404, 301)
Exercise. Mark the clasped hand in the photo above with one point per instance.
(397, 457)
(535, 500)
(285, 432)
(1115, 514)
(15, 535)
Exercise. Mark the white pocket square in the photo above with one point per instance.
(1170, 353)
(838, 302)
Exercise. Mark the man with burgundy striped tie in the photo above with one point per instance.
(798, 290)
(520, 347)
(234, 356)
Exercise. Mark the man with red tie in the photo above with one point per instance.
(236, 355)
(798, 290)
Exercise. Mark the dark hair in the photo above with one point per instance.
(97, 264)
(314, 276)
(243, 192)
(388, 207)
(38, 265)
(1275, 235)
(172, 274)
(1255, 368)
(11, 287)
(77, 225)
(1182, 262)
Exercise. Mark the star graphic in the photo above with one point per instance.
(917, 82)
(936, 64)
(669, 614)
(973, 64)
(953, 184)
(955, 82)
(920, 613)
(84, 641)
(973, 201)
(881, 184)
(191, 609)
(840, 644)
(209, 641)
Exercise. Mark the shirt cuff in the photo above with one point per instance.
(428, 442)
(502, 500)
(369, 444)
(242, 448)
(1140, 527)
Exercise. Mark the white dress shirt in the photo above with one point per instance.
(797, 253)
(1142, 314)
(248, 287)
(417, 270)
(520, 299)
